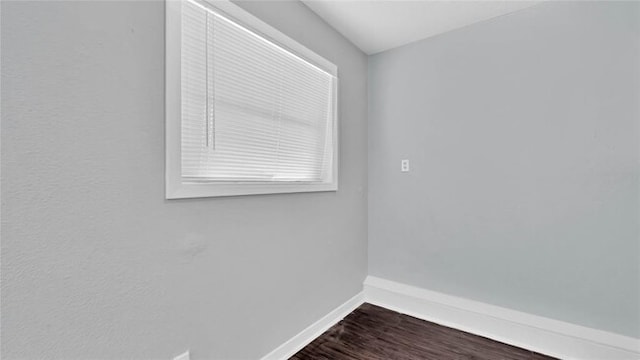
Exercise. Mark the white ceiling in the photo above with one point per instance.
(379, 25)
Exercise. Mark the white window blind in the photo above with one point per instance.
(251, 109)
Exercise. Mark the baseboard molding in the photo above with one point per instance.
(307, 335)
(536, 333)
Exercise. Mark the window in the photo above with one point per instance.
(249, 110)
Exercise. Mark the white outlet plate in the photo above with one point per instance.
(404, 166)
(183, 356)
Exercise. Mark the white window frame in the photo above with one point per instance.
(177, 189)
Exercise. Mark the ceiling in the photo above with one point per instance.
(379, 25)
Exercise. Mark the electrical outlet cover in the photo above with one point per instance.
(183, 356)
(404, 167)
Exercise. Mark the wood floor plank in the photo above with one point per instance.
(371, 333)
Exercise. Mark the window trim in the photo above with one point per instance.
(175, 188)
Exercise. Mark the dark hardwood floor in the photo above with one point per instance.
(371, 332)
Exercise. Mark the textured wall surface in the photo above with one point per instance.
(522, 133)
(95, 263)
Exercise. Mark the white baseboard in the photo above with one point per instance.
(536, 333)
(307, 335)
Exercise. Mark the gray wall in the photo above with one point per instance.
(95, 263)
(522, 133)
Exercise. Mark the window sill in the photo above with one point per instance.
(196, 190)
